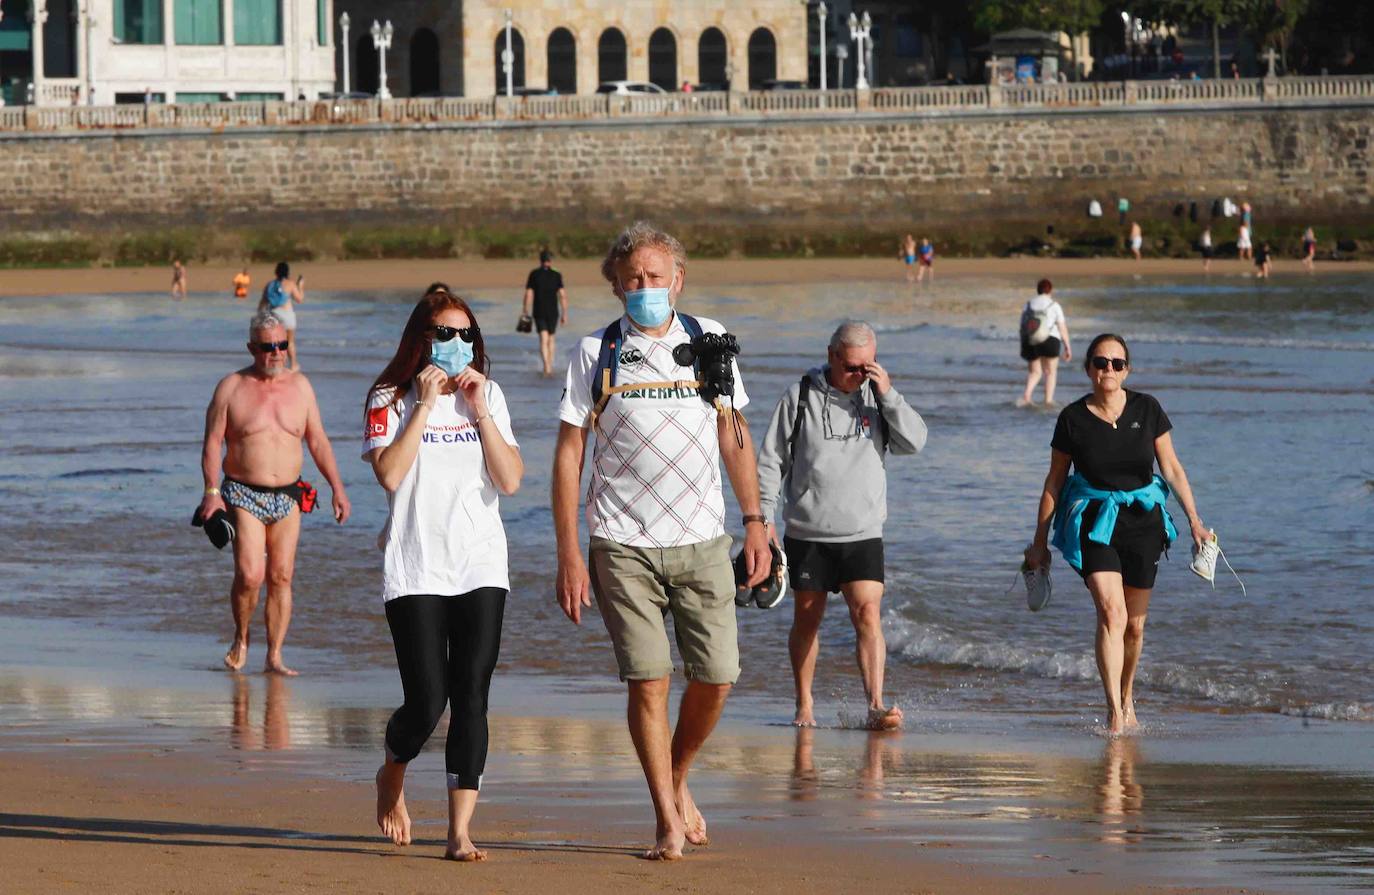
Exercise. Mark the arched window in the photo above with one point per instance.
(517, 48)
(610, 56)
(711, 56)
(562, 61)
(424, 63)
(763, 58)
(663, 59)
(367, 73)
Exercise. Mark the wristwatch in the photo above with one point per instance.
(755, 517)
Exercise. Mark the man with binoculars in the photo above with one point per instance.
(662, 394)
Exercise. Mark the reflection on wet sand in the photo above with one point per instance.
(275, 730)
(881, 749)
(1120, 797)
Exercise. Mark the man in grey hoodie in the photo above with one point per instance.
(825, 453)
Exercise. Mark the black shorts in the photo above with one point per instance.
(547, 324)
(1137, 543)
(1206, 251)
(1047, 348)
(824, 566)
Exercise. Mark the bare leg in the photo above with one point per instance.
(281, 563)
(1108, 597)
(392, 816)
(865, 600)
(1032, 380)
(276, 717)
(1051, 368)
(804, 645)
(696, 718)
(461, 804)
(647, 716)
(546, 352)
(1137, 608)
(291, 350)
(250, 568)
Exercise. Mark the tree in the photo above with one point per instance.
(1072, 16)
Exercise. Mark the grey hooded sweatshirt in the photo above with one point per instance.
(834, 484)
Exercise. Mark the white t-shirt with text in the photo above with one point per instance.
(443, 534)
(655, 478)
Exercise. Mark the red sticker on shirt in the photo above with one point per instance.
(377, 422)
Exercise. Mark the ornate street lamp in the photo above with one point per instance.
(344, 49)
(508, 59)
(841, 56)
(859, 31)
(821, 12)
(381, 39)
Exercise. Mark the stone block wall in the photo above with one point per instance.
(789, 175)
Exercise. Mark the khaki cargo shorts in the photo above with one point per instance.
(636, 588)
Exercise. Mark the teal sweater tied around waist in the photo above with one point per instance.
(1073, 501)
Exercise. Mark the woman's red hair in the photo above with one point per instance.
(412, 355)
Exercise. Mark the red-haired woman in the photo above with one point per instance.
(439, 439)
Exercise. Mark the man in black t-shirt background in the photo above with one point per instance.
(547, 301)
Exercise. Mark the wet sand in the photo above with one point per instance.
(484, 274)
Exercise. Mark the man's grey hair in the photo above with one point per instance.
(853, 334)
(261, 321)
(639, 235)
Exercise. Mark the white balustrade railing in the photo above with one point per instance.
(59, 92)
(904, 100)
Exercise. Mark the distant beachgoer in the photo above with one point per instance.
(279, 298)
(1309, 249)
(908, 256)
(1094, 209)
(178, 280)
(1205, 246)
(825, 455)
(1044, 339)
(1137, 239)
(259, 416)
(546, 300)
(925, 259)
(686, 87)
(1243, 246)
(439, 438)
(1123, 208)
(1110, 524)
(1262, 255)
(1246, 213)
(241, 283)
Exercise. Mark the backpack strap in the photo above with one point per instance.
(608, 361)
(885, 435)
(803, 391)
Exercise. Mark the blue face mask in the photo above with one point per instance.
(452, 356)
(649, 307)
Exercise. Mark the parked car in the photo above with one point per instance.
(629, 88)
(774, 84)
(711, 87)
(533, 91)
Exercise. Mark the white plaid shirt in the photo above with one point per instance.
(656, 461)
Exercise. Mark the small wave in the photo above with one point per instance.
(899, 327)
(1331, 711)
(98, 473)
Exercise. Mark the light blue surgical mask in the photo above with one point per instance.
(649, 307)
(452, 356)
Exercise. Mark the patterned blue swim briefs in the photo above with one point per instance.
(268, 505)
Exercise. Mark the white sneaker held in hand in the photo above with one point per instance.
(1204, 564)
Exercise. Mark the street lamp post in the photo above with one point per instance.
(841, 55)
(508, 59)
(344, 48)
(859, 31)
(821, 12)
(381, 39)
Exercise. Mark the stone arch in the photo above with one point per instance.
(424, 62)
(663, 58)
(763, 57)
(612, 56)
(713, 56)
(562, 59)
(366, 69)
(517, 46)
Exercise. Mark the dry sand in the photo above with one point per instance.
(484, 274)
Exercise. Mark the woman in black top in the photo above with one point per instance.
(1113, 439)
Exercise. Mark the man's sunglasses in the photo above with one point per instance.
(446, 333)
(1116, 363)
(861, 368)
(269, 347)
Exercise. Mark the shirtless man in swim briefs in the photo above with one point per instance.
(259, 416)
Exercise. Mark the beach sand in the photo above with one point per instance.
(484, 274)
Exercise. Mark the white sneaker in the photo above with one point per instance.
(1038, 587)
(1204, 564)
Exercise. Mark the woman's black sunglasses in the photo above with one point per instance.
(1117, 363)
(446, 333)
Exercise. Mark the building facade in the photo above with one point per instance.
(62, 52)
(455, 47)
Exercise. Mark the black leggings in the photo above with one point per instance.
(446, 649)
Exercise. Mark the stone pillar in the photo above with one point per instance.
(687, 60)
(588, 75)
(1129, 92)
(227, 24)
(39, 13)
(536, 57)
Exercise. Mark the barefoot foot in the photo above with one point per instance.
(391, 803)
(804, 718)
(880, 718)
(462, 850)
(692, 818)
(275, 665)
(237, 655)
(667, 848)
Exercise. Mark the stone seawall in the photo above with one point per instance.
(870, 172)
